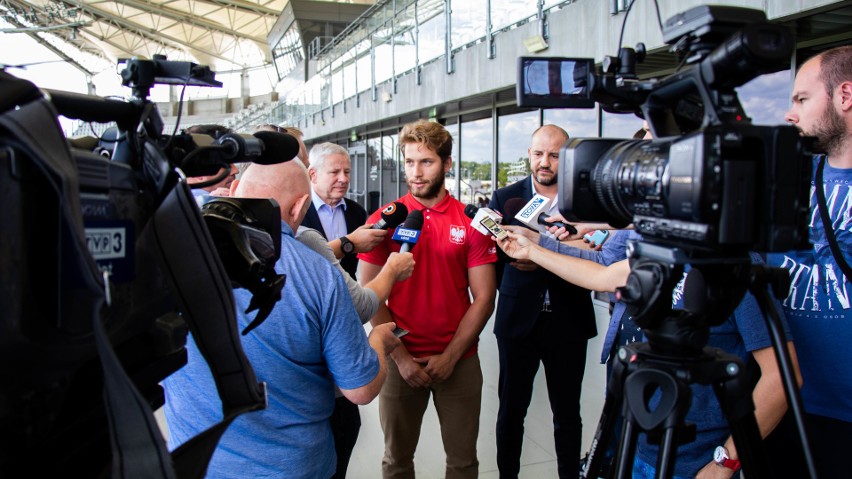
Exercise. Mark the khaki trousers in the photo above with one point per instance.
(457, 402)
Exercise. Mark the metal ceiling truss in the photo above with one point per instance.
(230, 33)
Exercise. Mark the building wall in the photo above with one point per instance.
(581, 29)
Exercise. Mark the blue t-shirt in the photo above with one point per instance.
(311, 340)
(621, 329)
(818, 306)
(744, 331)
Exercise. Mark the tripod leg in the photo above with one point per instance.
(665, 458)
(606, 424)
(782, 355)
(626, 448)
(734, 394)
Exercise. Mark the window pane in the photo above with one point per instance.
(337, 82)
(467, 21)
(452, 178)
(508, 12)
(405, 55)
(390, 169)
(358, 178)
(620, 125)
(432, 28)
(349, 80)
(579, 123)
(476, 139)
(514, 133)
(364, 74)
(384, 58)
(374, 174)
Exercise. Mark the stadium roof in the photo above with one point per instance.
(94, 34)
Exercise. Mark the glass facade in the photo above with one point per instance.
(475, 182)
(491, 138)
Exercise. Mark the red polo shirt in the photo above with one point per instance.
(431, 303)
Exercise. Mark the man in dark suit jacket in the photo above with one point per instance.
(341, 221)
(331, 213)
(540, 319)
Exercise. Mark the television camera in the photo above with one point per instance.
(110, 262)
(708, 189)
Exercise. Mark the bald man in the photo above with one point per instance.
(311, 341)
(540, 320)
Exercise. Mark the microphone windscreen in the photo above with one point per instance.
(277, 147)
(414, 221)
(394, 214)
(470, 211)
(512, 207)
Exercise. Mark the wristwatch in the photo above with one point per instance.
(721, 457)
(347, 246)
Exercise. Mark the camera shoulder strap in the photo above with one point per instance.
(822, 205)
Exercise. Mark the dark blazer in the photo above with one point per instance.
(522, 293)
(355, 216)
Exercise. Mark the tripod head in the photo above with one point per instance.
(710, 292)
(676, 355)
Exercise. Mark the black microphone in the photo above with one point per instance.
(515, 205)
(392, 216)
(470, 211)
(409, 232)
(512, 207)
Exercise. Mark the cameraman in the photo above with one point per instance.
(818, 305)
(742, 333)
(311, 341)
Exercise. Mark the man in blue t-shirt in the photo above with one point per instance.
(818, 305)
(744, 332)
(311, 341)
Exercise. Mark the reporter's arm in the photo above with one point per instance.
(770, 404)
(382, 341)
(398, 268)
(365, 300)
(581, 272)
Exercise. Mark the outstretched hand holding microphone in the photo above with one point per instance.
(366, 237)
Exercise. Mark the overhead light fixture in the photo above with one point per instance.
(386, 96)
(535, 43)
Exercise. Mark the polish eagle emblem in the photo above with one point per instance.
(457, 234)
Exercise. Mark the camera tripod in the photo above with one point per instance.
(675, 356)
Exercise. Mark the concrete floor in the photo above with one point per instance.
(538, 459)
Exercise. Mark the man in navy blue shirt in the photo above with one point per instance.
(818, 305)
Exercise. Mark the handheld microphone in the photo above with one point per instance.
(532, 214)
(478, 215)
(409, 232)
(470, 211)
(393, 214)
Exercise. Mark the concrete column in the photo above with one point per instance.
(245, 92)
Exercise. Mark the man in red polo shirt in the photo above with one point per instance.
(438, 356)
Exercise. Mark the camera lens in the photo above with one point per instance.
(630, 179)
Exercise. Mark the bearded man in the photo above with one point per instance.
(438, 357)
(540, 319)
